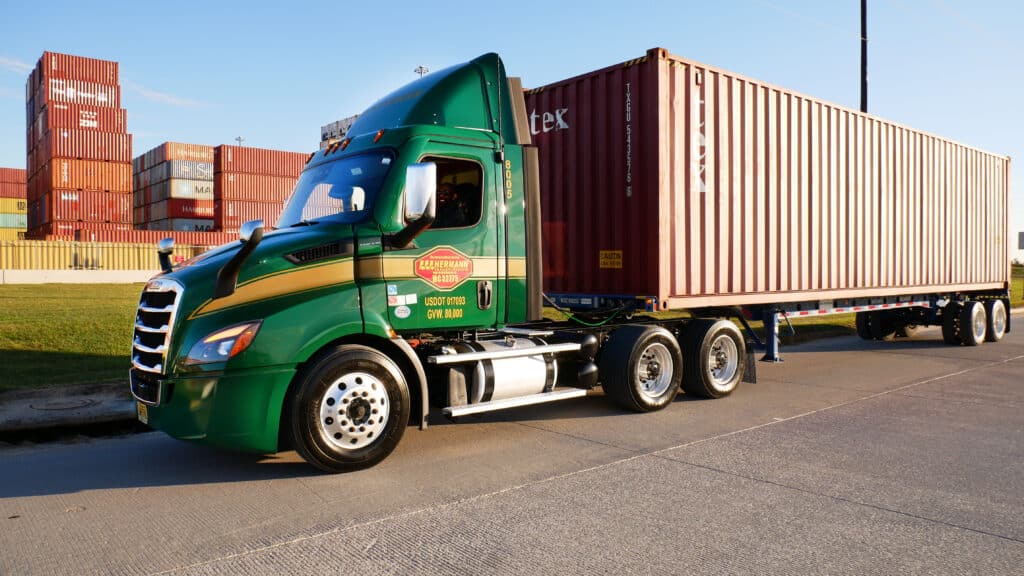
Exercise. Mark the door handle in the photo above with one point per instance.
(483, 294)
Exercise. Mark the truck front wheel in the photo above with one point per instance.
(350, 410)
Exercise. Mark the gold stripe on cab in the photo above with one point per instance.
(281, 284)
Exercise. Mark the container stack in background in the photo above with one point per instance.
(13, 204)
(252, 184)
(79, 149)
(173, 188)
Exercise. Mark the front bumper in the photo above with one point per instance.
(239, 410)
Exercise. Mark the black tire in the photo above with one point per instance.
(365, 386)
(882, 325)
(641, 367)
(907, 330)
(714, 358)
(951, 324)
(863, 323)
(972, 323)
(995, 325)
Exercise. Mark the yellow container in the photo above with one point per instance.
(61, 255)
(11, 234)
(13, 205)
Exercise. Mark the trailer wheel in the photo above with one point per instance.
(951, 324)
(641, 367)
(973, 323)
(863, 323)
(715, 358)
(995, 311)
(350, 410)
(882, 325)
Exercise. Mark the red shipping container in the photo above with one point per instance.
(140, 215)
(83, 144)
(83, 206)
(77, 92)
(242, 159)
(181, 208)
(79, 117)
(57, 65)
(71, 174)
(253, 187)
(12, 190)
(172, 151)
(665, 177)
(13, 175)
(233, 213)
(182, 224)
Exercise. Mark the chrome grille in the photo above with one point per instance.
(154, 322)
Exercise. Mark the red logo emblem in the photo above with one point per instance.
(444, 268)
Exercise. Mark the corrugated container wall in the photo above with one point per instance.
(664, 177)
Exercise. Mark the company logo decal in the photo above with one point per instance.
(444, 268)
(549, 121)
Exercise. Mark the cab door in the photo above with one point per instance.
(448, 278)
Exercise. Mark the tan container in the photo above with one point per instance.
(664, 177)
(65, 255)
(13, 205)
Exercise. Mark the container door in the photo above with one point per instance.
(449, 278)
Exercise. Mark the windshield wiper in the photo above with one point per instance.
(304, 223)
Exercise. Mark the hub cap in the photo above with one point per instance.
(354, 411)
(979, 323)
(999, 318)
(723, 362)
(654, 370)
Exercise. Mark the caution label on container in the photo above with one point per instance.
(611, 259)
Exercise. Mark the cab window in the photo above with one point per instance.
(459, 193)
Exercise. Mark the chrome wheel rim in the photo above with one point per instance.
(998, 317)
(654, 370)
(354, 411)
(723, 362)
(979, 323)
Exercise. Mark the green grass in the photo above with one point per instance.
(59, 334)
(1017, 287)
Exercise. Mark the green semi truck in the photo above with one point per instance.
(408, 271)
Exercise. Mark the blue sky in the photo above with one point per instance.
(207, 72)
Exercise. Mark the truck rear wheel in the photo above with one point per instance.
(951, 324)
(715, 358)
(995, 311)
(350, 410)
(641, 367)
(882, 325)
(973, 323)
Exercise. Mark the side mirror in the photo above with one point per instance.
(164, 249)
(251, 231)
(420, 189)
(420, 202)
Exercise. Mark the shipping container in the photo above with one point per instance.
(18, 221)
(81, 144)
(11, 235)
(86, 206)
(668, 178)
(254, 187)
(12, 175)
(78, 117)
(56, 65)
(77, 92)
(13, 190)
(184, 169)
(182, 224)
(17, 254)
(242, 159)
(71, 174)
(151, 237)
(173, 151)
(180, 208)
(20, 206)
(176, 188)
(233, 213)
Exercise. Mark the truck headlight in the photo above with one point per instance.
(223, 344)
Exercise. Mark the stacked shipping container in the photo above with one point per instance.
(173, 188)
(78, 147)
(252, 184)
(13, 204)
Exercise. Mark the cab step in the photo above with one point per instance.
(553, 396)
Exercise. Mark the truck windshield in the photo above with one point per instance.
(339, 191)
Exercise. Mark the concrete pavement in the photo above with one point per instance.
(851, 457)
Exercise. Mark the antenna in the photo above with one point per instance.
(239, 139)
(421, 70)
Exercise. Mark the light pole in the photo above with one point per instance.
(421, 70)
(864, 56)
(239, 139)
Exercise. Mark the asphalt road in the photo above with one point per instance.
(849, 458)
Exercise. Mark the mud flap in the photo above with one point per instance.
(750, 370)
